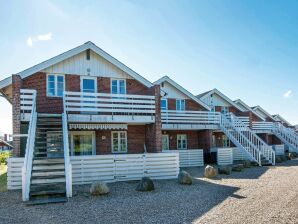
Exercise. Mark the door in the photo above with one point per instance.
(165, 142)
(88, 85)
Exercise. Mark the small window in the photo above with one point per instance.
(119, 142)
(181, 142)
(180, 104)
(163, 104)
(55, 85)
(165, 142)
(118, 86)
(88, 54)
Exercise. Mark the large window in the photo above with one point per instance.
(82, 143)
(55, 85)
(181, 142)
(163, 104)
(165, 142)
(118, 86)
(180, 104)
(119, 142)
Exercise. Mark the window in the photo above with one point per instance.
(165, 142)
(119, 142)
(163, 104)
(180, 104)
(55, 85)
(181, 142)
(82, 143)
(118, 86)
(88, 84)
(224, 110)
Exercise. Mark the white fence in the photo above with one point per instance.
(262, 126)
(27, 97)
(244, 120)
(191, 157)
(109, 168)
(224, 156)
(279, 149)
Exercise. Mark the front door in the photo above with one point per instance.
(165, 142)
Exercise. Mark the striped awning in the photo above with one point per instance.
(98, 126)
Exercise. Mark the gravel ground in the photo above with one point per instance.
(256, 195)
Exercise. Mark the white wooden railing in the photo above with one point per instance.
(109, 104)
(265, 150)
(239, 139)
(67, 164)
(286, 135)
(27, 167)
(262, 126)
(27, 99)
(189, 117)
(244, 120)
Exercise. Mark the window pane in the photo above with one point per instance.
(182, 104)
(60, 79)
(51, 78)
(51, 92)
(163, 104)
(114, 89)
(121, 87)
(88, 85)
(82, 144)
(178, 105)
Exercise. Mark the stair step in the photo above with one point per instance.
(44, 173)
(48, 186)
(48, 177)
(49, 115)
(48, 180)
(48, 192)
(46, 167)
(48, 161)
(46, 201)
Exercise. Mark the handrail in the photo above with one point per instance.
(238, 138)
(27, 167)
(67, 164)
(262, 146)
(286, 135)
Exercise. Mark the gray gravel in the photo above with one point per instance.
(256, 195)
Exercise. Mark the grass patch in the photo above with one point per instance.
(3, 177)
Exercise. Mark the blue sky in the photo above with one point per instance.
(247, 49)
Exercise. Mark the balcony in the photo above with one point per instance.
(262, 127)
(189, 120)
(109, 108)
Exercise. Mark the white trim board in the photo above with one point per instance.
(73, 52)
(182, 90)
(256, 108)
(220, 94)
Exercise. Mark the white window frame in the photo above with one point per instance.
(118, 86)
(72, 133)
(180, 135)
(166, 100)
(181, 100)
(55, 84)
(168, 143)
(112, 144)
(90, 78)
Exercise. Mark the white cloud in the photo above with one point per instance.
(47, 36)
(29, 41)
(288, 94)
(41, 37)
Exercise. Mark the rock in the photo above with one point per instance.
(225, 170)
(238, 167)
(246, 164)
(99, 188)
(210, 171)
(146, 184)
(295, 154)
(289, 156)
(184, 178)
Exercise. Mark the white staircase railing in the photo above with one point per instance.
(265, 149)
(239, 139)
(68, 168)
(286, 135)
(27, 167)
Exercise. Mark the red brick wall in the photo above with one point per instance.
(205, 140)
(189, 105)
(135, 140)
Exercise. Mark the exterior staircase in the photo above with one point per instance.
(286, 135)
(247, 140)
(48, 181)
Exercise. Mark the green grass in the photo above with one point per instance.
(3, 177)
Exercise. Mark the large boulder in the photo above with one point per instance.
(295, 154)
(210, 171)
(238, 167)
(99, 188)
(184, 178)
(146, 184)
(225, 170)
(290, 156)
